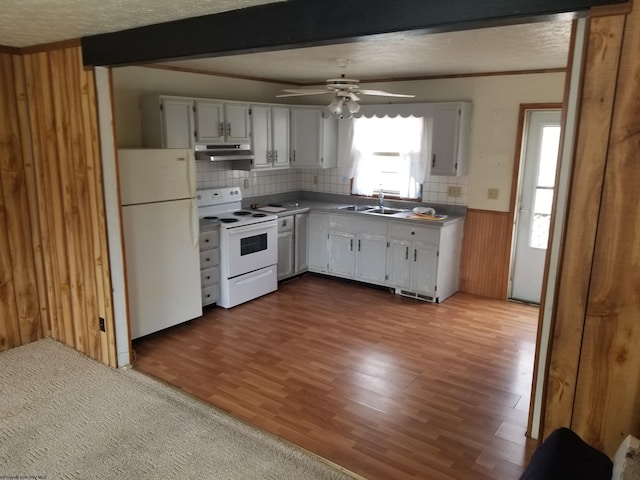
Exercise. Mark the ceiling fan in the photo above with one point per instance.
(345, 91)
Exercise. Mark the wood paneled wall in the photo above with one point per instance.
(55, 278)
(486, 245)
(594, 373)
(21, 318)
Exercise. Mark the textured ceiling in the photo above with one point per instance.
(402, 55)
(33, 22)
(390, 56)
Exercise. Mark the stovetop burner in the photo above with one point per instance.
(224, 206)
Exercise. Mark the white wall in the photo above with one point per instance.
(496, 102)
(129, 83)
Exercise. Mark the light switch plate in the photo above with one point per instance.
(492, 194)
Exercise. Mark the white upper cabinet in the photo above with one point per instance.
(167, 122)
(222, 122)
(314, 138)
(451, 131)
(270, 136)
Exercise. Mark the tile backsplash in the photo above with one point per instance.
(333, 180)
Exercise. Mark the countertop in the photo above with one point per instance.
(293, 207)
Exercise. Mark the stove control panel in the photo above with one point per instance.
(218, 196)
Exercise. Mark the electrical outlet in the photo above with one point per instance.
(315, 179)
(492, 194)
(246, 183)
(454, 191)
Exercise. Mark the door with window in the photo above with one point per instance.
(535, 201)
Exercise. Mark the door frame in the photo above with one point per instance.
(525, 108)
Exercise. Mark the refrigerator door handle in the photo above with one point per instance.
(191, 174)
(194, 222)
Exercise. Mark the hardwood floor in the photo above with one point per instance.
(386, 386)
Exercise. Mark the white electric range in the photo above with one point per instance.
(248, 245)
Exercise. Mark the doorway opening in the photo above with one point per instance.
(536, 175)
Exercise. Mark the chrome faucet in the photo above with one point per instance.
(381, 198)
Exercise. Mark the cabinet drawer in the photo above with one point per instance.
(285, 224)
(209, 258)
(210, 276)
(210, 294)
(209, 239)
(414, 233)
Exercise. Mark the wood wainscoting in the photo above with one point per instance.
(486, 249)
(54, 268)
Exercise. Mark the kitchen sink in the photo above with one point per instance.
(386, 210)
(357, 208)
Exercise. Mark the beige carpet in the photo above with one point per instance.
(65, 416)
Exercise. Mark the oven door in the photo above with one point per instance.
(250, 247)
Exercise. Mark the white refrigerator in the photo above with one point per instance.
(160, 228)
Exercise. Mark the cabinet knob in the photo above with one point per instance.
(413, 233)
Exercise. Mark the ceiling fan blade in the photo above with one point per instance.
(380, 93)
(353, 96)
(295, 92)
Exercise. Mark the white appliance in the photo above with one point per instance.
(160, 225)
(248, 246)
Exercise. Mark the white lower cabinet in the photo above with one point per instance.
(301, 244)
(371, 256)
(342, 258)
(417, 261)
(286, 251)
(318, 242)
(358, 248)
(209, 263)
(424, 262)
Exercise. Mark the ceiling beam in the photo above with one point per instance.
(303, 23)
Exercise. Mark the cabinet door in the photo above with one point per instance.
(371, 258)
(177, 123)
(280, 136)
(306, 125)
(260, 134)
(285, 255)
(318, 242)
(238, 127)
(400, 263)
(301, 243)
(342, 254)
(209, 121)
(424, 268)
(446, 128)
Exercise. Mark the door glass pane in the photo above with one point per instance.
(548, 156)
(541, 218)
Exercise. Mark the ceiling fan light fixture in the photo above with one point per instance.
(336, 106)
(353, 107)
